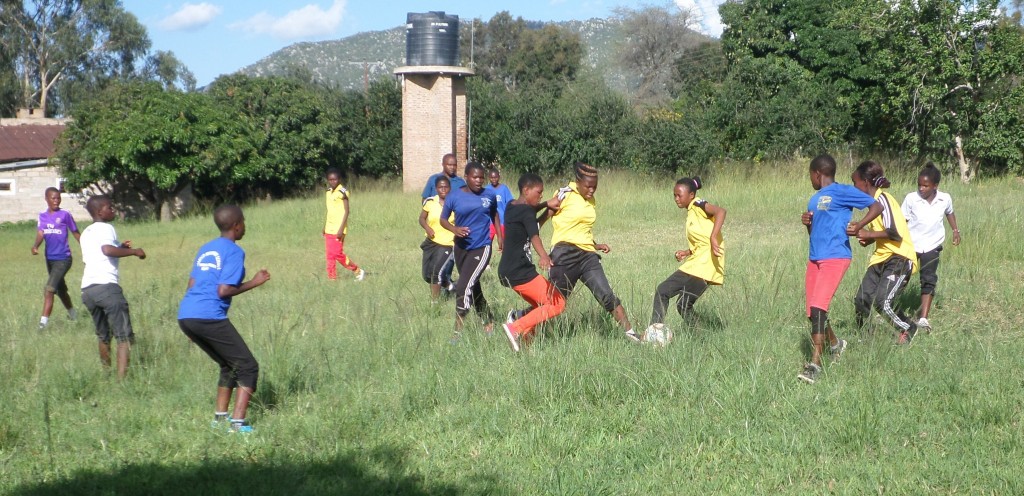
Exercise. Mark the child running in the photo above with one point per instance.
(705, 256)
(474, 207)
(828, 225)
(101, 293)
(438, 245)
(894, 259)
(574, 252)
(516, 269)
(336, 227)
(54, 226)
(924, 211)
(216, 277)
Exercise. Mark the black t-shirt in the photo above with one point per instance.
(516, 266)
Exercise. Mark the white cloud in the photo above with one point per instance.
(308, 22)
(706, 12)
(191, 16)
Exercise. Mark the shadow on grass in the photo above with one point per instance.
(342, 476)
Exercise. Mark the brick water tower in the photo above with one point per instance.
(433, 98)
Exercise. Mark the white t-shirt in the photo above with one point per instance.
(99, 268)
(925, 219)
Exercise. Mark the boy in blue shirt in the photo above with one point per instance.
(502, 195)
(216, 277)
(828, 224)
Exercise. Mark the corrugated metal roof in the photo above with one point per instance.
(27, 142)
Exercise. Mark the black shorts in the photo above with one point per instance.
(109, 311)
(219, 339)
(56, 270)
(929, 271)
(435, 258)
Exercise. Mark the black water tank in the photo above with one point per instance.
(432, 39)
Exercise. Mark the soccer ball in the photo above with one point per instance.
(658, 335)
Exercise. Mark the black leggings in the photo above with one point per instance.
(468, 292)
(571, 264)
(882, 284)
(681, 284)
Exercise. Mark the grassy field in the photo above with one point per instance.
(361, 393)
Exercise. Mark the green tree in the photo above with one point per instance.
(653, 38)
(291, 133)
(511, 52)
(168, 70)
(370, 130)
(137, 140)
(80, 42)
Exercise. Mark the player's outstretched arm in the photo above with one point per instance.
(228, 291)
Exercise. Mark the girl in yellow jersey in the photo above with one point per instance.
(703, 260)
(574, 252)
(894, 259)
(439, 245)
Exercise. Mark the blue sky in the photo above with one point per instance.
(214, 37)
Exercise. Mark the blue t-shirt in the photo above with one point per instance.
(474, 211)
(431, 189)
(220, 261)
(833, 207)
(504, 196)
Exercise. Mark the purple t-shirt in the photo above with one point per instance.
(55, 227)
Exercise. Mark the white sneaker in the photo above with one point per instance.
(513, 340)
(924, 324)
(360, 275)
(511, 316)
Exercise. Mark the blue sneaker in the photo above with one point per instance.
(240, 427)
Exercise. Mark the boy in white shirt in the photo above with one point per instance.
(101, 292)
(924, 210)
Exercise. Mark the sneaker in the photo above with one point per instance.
(838, 349)
(240, 427)
(360, 275)
(511, 316)
(513, 338)
(42, 325)
(810, 373)
(924, 324)
(633, 336)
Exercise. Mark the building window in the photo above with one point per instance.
(7, 187)
(60, 185)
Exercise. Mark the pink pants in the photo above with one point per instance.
(335, 255)
(547, 302)
(822, 280)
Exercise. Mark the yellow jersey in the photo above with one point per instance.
(432, 206)
(574, 221)
(702, 262)
(335, 210)
(891, 216)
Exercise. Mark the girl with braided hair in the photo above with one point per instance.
(574, 255)
(894, 259)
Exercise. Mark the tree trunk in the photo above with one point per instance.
(966, 173)
(166, 208)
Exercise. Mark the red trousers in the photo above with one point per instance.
(546, 300)
(335, 255)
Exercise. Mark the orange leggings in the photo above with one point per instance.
(546, 300)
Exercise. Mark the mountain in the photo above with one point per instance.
(346, 62)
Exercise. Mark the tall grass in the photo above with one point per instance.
(361, 393)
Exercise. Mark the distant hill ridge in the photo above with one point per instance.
(344, 63)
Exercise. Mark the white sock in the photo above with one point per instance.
(43, 320)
